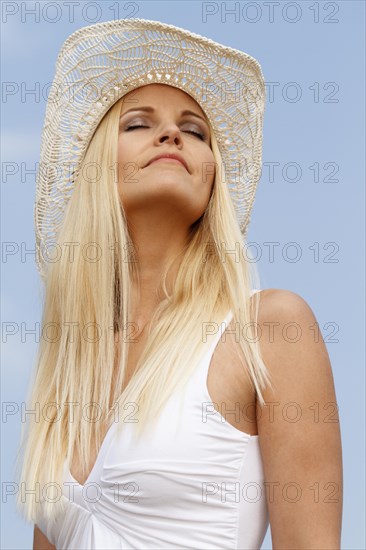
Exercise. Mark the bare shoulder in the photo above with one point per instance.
(281, 301)
(286, 318)
(292, 345)
(298, 428)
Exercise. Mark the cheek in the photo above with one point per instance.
(207, 169)
(122, 149)
(126, 157)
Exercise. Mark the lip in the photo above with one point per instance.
(173, 156)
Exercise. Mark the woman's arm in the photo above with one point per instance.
(299, 428)
(40, 542)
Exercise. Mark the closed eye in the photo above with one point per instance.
(198, 134)
(201, 136)
(135, 126)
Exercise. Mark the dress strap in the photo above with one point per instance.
(212, 335)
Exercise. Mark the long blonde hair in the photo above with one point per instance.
(87, 295)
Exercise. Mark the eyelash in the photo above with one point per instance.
(201, 136)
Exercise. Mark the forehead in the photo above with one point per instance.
(159, 94)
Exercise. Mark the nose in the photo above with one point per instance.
(170, 133)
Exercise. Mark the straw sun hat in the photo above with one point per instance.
(100, 63)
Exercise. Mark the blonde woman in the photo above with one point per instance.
(170, 384)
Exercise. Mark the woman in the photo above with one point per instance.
(202, 420)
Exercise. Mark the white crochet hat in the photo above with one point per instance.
(112, 58)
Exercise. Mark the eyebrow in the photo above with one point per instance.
(151, 110)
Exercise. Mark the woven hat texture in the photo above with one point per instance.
(100, 63)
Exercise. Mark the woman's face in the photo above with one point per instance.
(163, 190)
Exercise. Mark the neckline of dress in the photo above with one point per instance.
(227, 319)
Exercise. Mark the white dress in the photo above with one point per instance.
(194, 482)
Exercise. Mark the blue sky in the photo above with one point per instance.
(313, 205)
